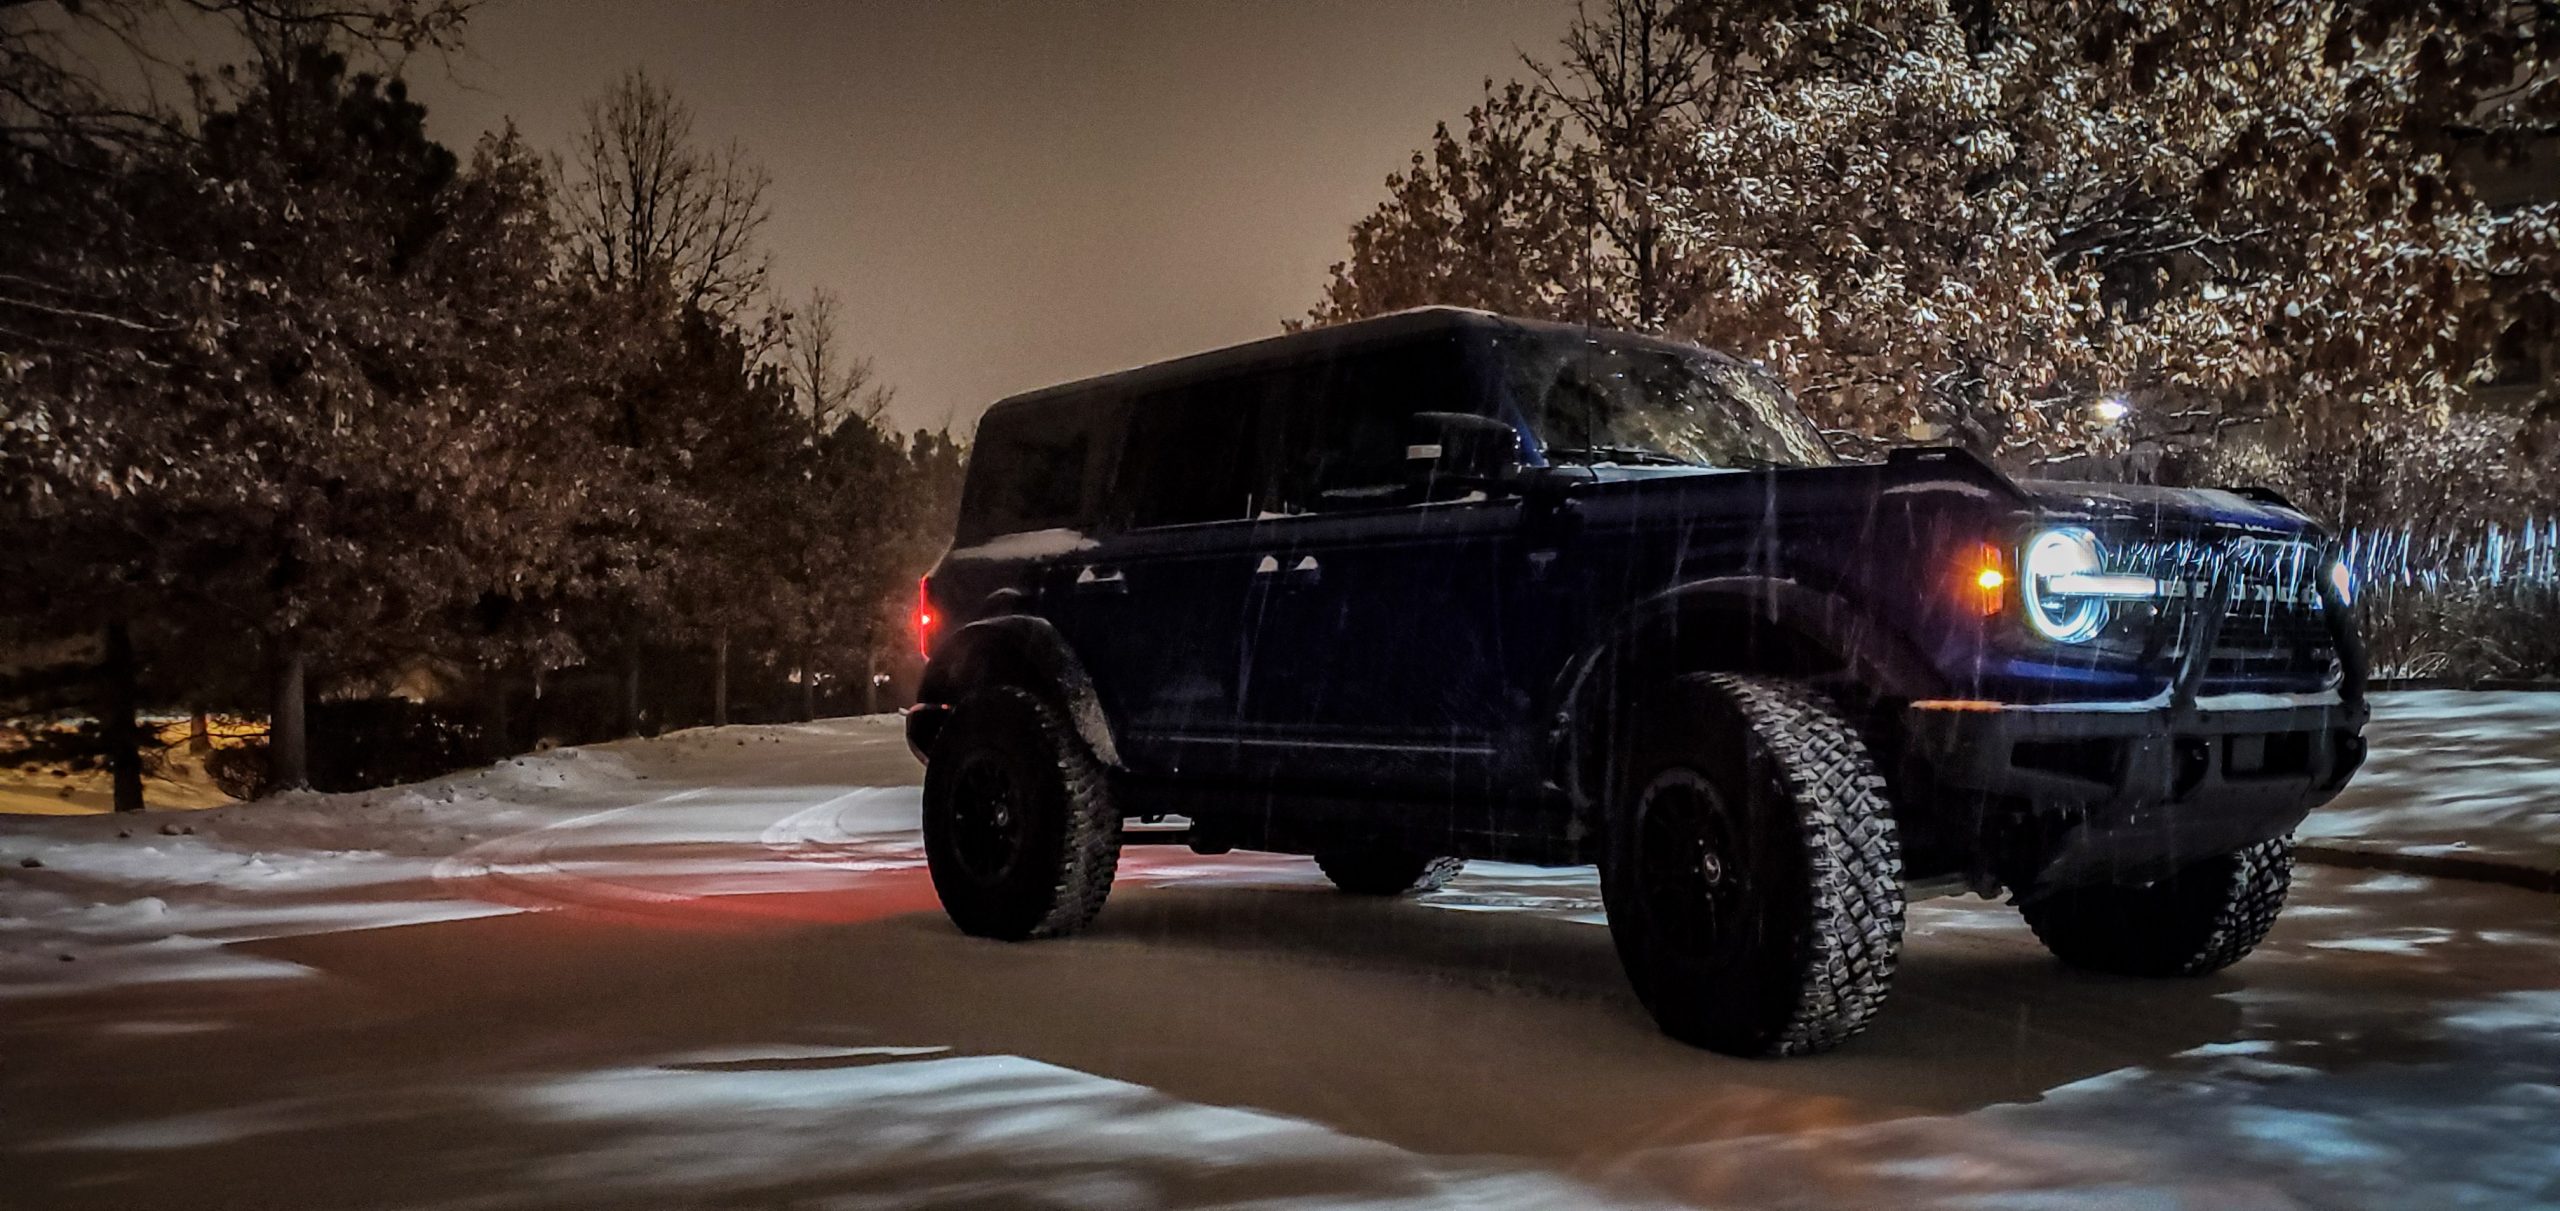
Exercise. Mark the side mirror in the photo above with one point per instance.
(1449, 453)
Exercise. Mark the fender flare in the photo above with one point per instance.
(1025, 650)
(1875, 655)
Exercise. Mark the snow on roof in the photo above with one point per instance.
(1026, 544)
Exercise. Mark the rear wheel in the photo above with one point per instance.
(1752, 874)
(2198, 921)
(1387, 872)
(1019, 831)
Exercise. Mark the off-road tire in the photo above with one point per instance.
(1387, 871)
(1786, 943)
(2196, 922)
(1037, 862)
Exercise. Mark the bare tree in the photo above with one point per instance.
(54, 86)
(830, 385)
(647, 208)
(1634, 79)
(839, 474)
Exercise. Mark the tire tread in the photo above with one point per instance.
(1855, 853)
(1088, 849)
(2208, 917)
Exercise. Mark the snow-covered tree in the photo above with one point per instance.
(229, 377)
(354, 422)
(286, 383)
(1490, 218)
(1987, 218)
(1551, 203)
(1990, 217)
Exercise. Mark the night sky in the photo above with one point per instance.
(1009, 195)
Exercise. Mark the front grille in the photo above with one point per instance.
(2276, 632)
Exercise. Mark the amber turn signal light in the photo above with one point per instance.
(1986, 580)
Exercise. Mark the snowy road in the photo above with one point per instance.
(738, 993)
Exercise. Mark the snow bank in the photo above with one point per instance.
(95, 900)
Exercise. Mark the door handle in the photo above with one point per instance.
(1304, 571)
(1097, 579)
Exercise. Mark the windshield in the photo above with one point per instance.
(1592, 402)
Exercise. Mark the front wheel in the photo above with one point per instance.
(1752, 875)
(2195, 922)
(1019, 831)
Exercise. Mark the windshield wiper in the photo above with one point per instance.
(1623, 455)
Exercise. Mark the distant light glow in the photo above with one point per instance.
(2111, 409)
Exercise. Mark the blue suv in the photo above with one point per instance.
(1443, 586)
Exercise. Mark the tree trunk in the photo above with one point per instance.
(495, 740)
(631, 686)
(199, 732)
(870, 670)
(720, 679)
(288, 743)
(808, 687)
(533, 709)
(123, 731)
(1647, 287)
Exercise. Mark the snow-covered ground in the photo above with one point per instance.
(2455, 772)
(707, 971)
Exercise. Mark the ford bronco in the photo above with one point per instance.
(1442, 586)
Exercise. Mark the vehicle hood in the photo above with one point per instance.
(2119, 508)
(1619, 473)
(2172, 508)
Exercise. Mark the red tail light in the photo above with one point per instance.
(928, 621)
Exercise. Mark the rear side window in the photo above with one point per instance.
(1349, 417)
(1029, 471)
(1193, 455)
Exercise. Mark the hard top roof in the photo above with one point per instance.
(1316, 343)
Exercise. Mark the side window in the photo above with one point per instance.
(1349, 420)
(1192, 456)
(1028, 472)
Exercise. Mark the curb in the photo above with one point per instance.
(2395, 685)
(2437, 866)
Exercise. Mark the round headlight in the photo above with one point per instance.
(2055, 553)
(2343, 579)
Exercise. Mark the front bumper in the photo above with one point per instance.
(2073, 794)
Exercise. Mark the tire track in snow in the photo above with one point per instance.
(527, 870)
(831, 833)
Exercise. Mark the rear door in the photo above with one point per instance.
(1159, 605)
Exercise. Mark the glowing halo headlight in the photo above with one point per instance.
(2058, 614)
